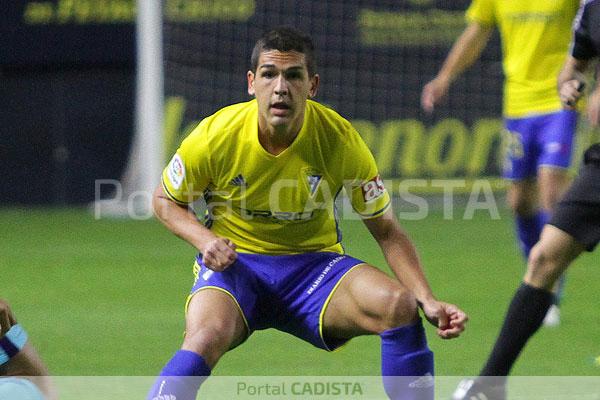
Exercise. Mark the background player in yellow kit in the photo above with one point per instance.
(573, 229)
(270, 251)
(535, 37)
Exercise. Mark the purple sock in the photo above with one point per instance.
(529, 230)
(407, 363)
(181, 378)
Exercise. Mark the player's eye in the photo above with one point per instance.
(268, 74)
(293, 75)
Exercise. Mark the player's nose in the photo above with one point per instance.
(281, 87)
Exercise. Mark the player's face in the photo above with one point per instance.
(281, 86)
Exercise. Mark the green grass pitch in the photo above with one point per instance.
(106, 298)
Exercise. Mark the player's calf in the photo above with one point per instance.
(541, 269)
(213, 325)
(550, 257)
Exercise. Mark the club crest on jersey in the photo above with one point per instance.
(176, 171)
(313, 181)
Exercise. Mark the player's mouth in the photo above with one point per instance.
(280, 108)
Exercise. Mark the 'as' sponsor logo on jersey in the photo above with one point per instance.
(176, 171)
(373, 189)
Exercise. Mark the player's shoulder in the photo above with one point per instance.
(482, 12)
(330, 123)
(229, 118)
(227, 121)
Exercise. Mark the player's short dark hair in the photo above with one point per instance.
(285, 38)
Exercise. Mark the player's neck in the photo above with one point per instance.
(276, 139)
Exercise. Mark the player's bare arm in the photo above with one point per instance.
(402, 258)
(217, 253)
(464, 53)
(593, 106)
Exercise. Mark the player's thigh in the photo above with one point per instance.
(522, 196)
(368, 301)
(551, 256)
(214, 323)
(553, 182)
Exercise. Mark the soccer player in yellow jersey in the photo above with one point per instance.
(535, 38)
(269, 249)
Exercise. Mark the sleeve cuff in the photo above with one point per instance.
(377, 213)
(171, 196)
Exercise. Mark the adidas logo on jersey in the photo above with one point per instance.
(165, 397)
(238, 181)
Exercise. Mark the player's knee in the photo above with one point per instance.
(400, 308)
(209, 341)
(541, 268)
(549, 201)
(520, 205)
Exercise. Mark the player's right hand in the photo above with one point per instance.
(448, 318)
(7, 319)
(433, 93)
(219, 254)
(570, 92)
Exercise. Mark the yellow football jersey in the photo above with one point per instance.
(535, 40)
(271, 204)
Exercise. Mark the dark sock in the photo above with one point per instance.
(525, 315)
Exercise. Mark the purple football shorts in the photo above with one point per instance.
(539, 141)
(286, 292)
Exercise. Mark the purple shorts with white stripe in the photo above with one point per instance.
(286, 292)
(539, 141)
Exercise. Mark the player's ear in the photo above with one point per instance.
(250, 76)
(314, 86)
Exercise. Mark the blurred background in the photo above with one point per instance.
(68, 84)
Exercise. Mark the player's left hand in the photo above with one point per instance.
(448, 318)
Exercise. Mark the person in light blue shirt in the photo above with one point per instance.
(23, 375)
(19, 389)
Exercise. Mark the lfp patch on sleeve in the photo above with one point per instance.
(176, 171)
